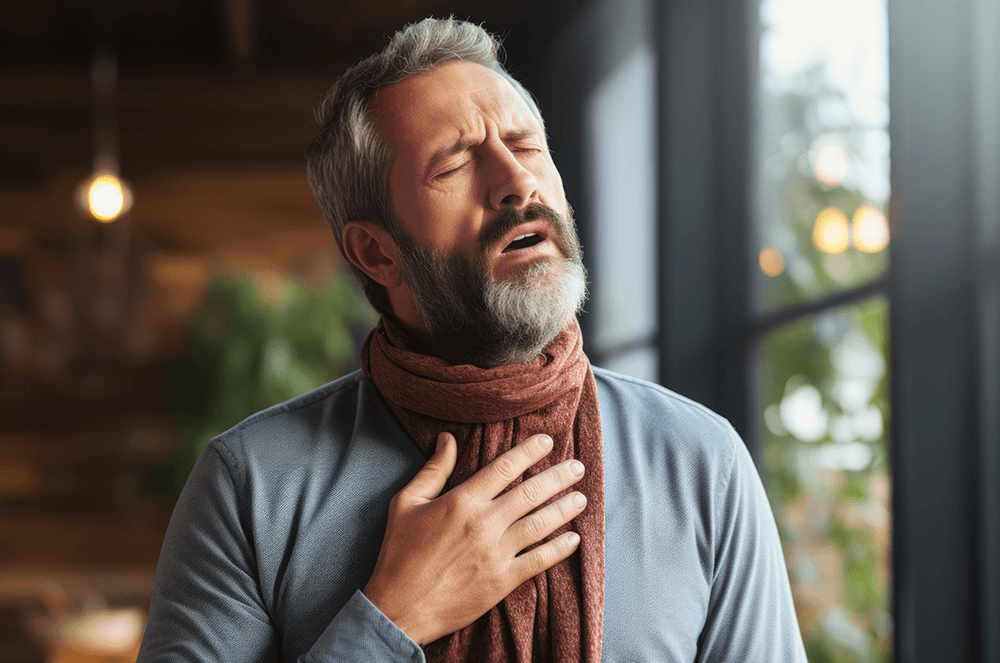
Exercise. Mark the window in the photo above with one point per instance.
(821, 315)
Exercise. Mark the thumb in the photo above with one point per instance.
(430, 480)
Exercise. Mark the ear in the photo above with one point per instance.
(372, 251)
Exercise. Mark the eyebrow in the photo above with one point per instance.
(462, 144)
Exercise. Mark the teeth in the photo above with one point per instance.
(523, 237)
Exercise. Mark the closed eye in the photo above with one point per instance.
(453, 170)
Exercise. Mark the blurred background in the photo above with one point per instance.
(789, 210)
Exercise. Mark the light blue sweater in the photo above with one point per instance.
(282, 518)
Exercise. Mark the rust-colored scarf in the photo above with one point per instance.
(558, 615)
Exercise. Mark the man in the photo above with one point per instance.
(565, 513)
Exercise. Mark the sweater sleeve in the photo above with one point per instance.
(361, 632)
(207, 604)
(751, 616)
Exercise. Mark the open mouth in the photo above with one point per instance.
(523, 242)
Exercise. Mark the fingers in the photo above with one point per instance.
(533, 528)
(530, 564)
(430, 480)
(539, 489)
(491, 480)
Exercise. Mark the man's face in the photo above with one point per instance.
(486, 240)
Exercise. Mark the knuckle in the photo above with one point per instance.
(538, 559)
(433, 465)
(559, 514)
(398, 502)
(464, 512)
(458, 501)
(474, 528)
(534, 528)
(506, 468)
(560, 477)
(565, 510)
(532, 492)
(496, 584)
(559, 550)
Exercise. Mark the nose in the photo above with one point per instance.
(511, 184)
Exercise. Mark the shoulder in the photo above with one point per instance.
(301, 407)
(325, 447)
(653, 416)
(313, 428)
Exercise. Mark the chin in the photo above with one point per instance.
(534, 273)
(536, 307)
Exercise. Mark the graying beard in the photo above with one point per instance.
(490, 323)
(534, 314)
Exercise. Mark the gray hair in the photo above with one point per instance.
(348, 163)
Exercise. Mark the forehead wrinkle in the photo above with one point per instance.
(450, 124)
(470, 129)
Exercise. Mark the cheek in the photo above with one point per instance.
(403, 194)
(416, 208)
(553, 185)
(443, 220)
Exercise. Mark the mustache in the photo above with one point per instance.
(512, 218)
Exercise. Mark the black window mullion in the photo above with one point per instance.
(783, 316)
(706, 64)
(935, 420)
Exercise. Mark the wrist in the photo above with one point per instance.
(401, 617)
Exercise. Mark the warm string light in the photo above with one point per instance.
(771, 261)
(831, 231)
(868, 231)
(830, 167)
(871, 230)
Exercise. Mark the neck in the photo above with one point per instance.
(415, 338)
(421, 341)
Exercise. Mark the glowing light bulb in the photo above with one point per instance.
(106, 198)
(831, 165)
(771, 261)
(871, 230)
(831, 232)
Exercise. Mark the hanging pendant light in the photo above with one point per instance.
(104, 196)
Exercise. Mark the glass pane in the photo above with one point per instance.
(621, 127)
(821, 183)
(824, 412)
(641, 362)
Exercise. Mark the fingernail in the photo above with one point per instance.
(573, 538)
(544, 441)
(440, 442)
(576, 467)
(579, 500)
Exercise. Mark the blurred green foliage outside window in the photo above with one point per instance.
(821, 201)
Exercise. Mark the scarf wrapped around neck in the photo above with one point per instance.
(558, 615)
